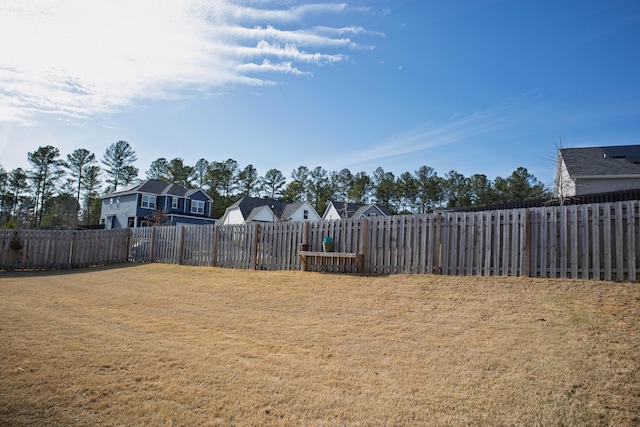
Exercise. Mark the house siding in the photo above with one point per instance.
(264, 215)
(233, 216)
(331, 214)
(298, 215)
(120, 212)
(588, 186)
(117, 215)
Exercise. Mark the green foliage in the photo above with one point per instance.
(273, 182)
(47, 169)
(179, 173)
(248, 181)
(10, 225)
(118, 159)
(225, 182)
(159, 169)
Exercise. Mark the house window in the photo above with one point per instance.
(305, 214)
(197, 207)
(148, 201)
(111, 202)
(174, 203)
(118, 202)
(131, 222)
(373, 214)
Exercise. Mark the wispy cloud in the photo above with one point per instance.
(431, 134)
(74, 59)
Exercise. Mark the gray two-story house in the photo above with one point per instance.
(154, 200)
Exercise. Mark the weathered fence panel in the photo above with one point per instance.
(598, 241)
(61, 249)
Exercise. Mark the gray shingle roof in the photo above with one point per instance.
(602, 161)
(248, 204)
(356, 209)
(155, 186)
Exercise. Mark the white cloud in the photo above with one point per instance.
(73, 59)
(431, 134)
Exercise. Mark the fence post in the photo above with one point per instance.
(437, 244)
(363, 245)
(305, 233)
(152, 246)
(214, 250)
(526, 252)
(181, 245)
(127, 242)
(256, 239)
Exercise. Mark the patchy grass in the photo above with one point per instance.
(169, 345)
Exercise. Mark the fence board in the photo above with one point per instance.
(597, 241)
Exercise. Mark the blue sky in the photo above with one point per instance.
(481, 86)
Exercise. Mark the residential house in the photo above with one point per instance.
(254, 209)
(339, 210)
(174, 204)
(597, 170)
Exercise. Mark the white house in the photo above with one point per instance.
(253, 209)
(339, 210)
(597, 170)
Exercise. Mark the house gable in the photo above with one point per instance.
(339, 210)
(300, 212)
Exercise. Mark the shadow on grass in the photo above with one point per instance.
(68, 271)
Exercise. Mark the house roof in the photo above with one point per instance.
(602, 161)
(251, 206)
(248, 204)
(156, 186)
(356, 209)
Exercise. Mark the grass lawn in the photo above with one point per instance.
(168, 345)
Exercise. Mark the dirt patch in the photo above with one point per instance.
(170, 345)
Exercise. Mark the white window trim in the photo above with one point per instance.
(200, 207)
(150, 198)
(174, 203)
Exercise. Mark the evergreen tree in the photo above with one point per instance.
(408, 192)
(385, 188)
(319, 190)
(455, 189)
(430, 189)
(46, 171)
(118, 159)
(200, 172)
(4, 179)
(91, 185)
(159, 169)
(297, 189)
(78, 162)
(342, 183)
(16, 186)
(248, 181)
(179, 173)
(361, 189)
(273, 181)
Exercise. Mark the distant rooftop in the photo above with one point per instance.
(602, 161)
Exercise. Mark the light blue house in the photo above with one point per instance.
(153, 199)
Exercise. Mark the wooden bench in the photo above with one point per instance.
(305, 255)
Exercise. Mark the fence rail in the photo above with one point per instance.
(596, 241)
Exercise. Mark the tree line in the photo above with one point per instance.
(58, 191)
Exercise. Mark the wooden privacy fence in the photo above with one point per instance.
(61, 249)
(596, 241)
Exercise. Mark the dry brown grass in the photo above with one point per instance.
(169, 345)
